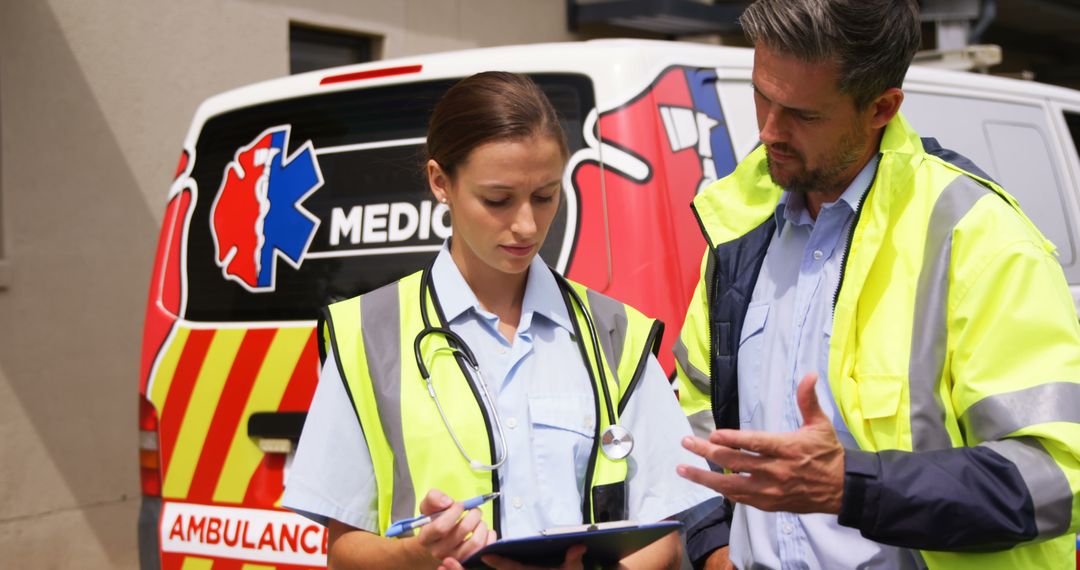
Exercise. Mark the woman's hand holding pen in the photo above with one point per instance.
(450, 536)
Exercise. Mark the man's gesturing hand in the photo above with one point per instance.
(798, 472)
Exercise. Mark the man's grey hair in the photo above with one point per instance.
(871, 41)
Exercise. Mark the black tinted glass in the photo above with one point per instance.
(370, 222)
(1073, 120)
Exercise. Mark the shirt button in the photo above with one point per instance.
(501, 350)
(517, 502)
(788, 529)
(511, 423)
(818, 254)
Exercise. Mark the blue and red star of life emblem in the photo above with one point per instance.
(257, 216)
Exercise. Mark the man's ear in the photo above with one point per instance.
(438, 181)
(885, 106)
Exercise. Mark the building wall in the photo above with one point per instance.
(95, 99)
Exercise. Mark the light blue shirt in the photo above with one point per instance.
(785, 336)
(544, 399)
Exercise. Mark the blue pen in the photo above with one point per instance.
(406, 525)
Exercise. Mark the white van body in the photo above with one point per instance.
(229, 365)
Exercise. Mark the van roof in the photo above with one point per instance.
(603, 60)
(600, 59)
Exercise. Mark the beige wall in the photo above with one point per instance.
(95, 98)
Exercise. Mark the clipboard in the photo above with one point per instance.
(605, 544)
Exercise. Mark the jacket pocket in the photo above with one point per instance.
(880, 396)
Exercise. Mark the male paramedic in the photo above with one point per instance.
(882, 357)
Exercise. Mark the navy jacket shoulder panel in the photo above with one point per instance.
(735, 273)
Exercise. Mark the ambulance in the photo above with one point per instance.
(300, 191)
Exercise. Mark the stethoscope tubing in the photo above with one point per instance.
(456, 343)
(565, 286)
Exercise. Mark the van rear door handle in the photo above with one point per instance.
(276, 432)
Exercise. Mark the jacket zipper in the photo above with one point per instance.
(712, 288)
(709, 291)
(851, 234)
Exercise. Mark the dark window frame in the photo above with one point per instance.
(313, 47)
(1072, 124)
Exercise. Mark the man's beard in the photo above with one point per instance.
(826, 178)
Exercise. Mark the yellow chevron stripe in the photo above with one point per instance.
(167, 368)
(270, 383)
(200, 411)
(257, 567)
(193, 563)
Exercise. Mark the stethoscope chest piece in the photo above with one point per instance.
(616, 442)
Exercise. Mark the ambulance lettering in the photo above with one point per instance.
(261, 535)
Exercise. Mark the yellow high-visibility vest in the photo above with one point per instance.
(411, 449)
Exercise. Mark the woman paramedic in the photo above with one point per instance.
(488, 372)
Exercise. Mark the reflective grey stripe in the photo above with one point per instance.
(380, 323)
(702, 423)
(1050, 491)
(997, 416)
(930, 327)
(609, 316)
(697, 377)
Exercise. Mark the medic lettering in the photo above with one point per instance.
(389, 223)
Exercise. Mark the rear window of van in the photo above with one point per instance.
(305, 201)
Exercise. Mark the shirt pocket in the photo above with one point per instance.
(562, 434)
(751, 361)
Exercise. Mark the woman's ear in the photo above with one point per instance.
(438, 181)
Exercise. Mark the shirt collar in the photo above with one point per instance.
(792, 206)
(543, 295)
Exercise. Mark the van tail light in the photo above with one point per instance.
(149, 450)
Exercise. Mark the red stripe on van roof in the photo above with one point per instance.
(370, 74)
(227, 415)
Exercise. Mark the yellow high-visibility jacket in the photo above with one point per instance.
(955, 349)
(411, 448)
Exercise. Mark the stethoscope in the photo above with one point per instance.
(616, 442)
